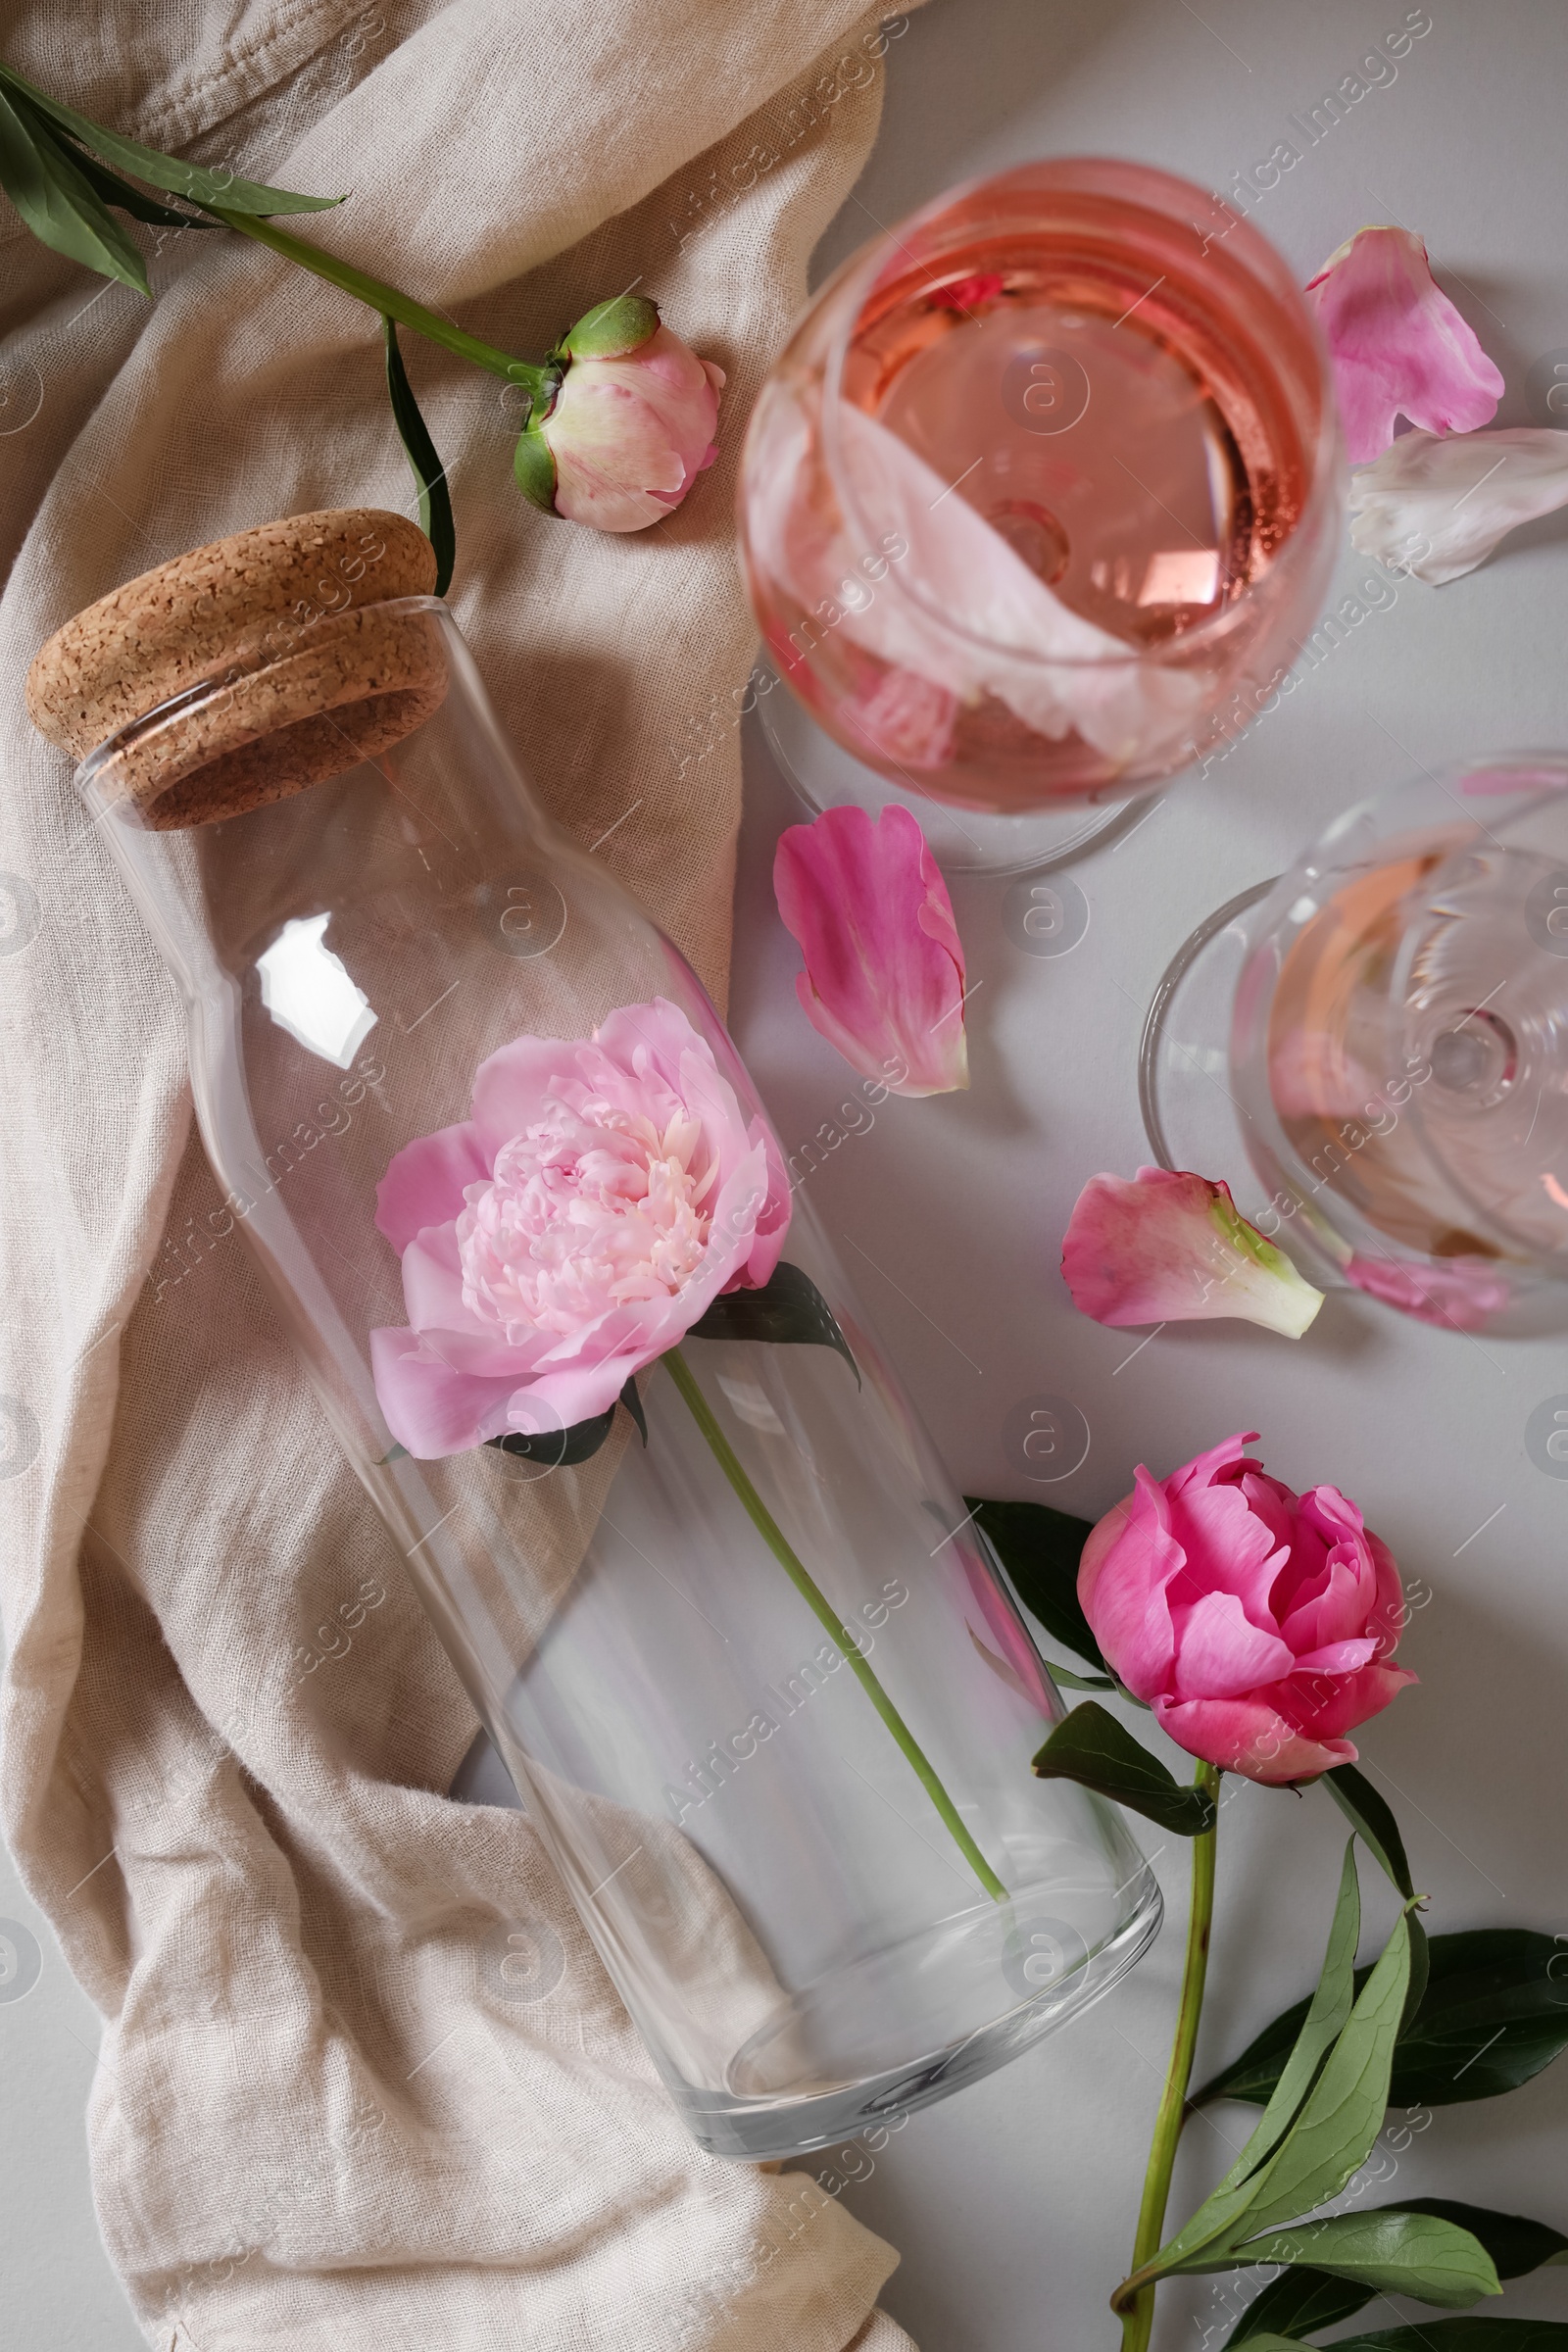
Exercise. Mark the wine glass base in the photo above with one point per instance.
(963, 841)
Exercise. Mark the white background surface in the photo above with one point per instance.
(1013, 2203)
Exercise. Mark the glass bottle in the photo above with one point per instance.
(763, 1691)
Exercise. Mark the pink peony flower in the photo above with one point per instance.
(631, 426)
(1399, 346)
(593, 1208)
(1257, 1623)
(884, 966)
(1172, 1248)
(1455, 1296)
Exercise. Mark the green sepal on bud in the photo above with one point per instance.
(612, 328)
(535, 468)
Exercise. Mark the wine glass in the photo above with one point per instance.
(1035, 504)
(1376, 1045)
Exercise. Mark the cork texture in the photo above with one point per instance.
(285, 627)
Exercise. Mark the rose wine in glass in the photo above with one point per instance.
(1043, 489)
(1398, 1047)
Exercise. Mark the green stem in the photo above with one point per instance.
(821, 1608)
(1138, 2315)
(383, 298)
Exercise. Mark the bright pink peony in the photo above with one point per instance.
(884, 966)
(593, 1208)
(1399, 346)
(629, 434)
(1258, 1624)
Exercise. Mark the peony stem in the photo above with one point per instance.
(821, 1608)
(1138, 2316)
(384, 298)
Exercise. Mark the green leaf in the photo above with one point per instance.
(1493, 2017)
(59, 207)
(633, 1402)
(1391, 2251)
(1453, 2336)
(1297, 2302)
(787, 1308)
(1323, 2022)
(535, 469)
(1343, 2112)
(611, 328)
(1065, 1679)
(104, 183)
(1516, 2244)
(168, 172)
(1374, 1824)
(435, 499)
(1040, 1549)
(562, 1449)
(1092, 1748)
(1305, 2299)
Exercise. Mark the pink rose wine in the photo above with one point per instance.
(1134, 413)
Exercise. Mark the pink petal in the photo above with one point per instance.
(1171, 1248)
(1438, 508)
(1129, 1559)
(1399, 346)
(1338, 1658)
(1326, 1706)
(430, 1408)
(510, 1087)
(905, 718)
(884, 966)
(1220, 1654)
(1251, 1736)
(424, 1184)
(1455, 1296)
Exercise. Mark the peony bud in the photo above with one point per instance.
(627, 421)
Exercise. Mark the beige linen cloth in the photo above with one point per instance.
(343, 2101)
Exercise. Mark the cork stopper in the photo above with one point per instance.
(265, 663)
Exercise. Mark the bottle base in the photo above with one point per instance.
(772, 2108)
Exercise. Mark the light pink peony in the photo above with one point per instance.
(630, 434)
(1257, 1623)
(1172, 1248)
(1399, 346)
(596, 1203)
(884, 966)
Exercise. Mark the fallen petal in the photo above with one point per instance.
(884, 968)
(1171, 1248)
(1399, 346)
(1437, 507)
